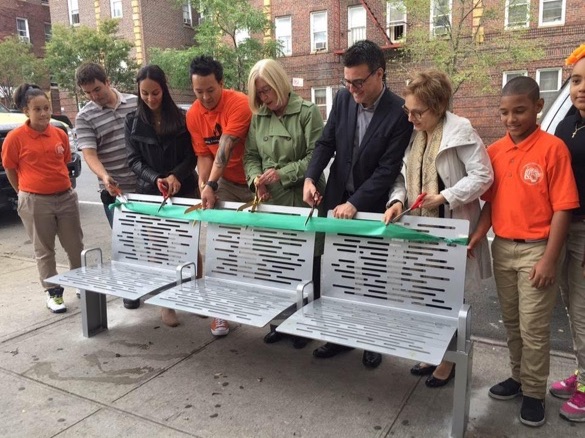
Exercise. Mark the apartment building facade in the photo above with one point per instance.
(315, 34)
(30, 20)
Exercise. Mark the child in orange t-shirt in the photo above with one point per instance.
(529, 206)
(35, 156)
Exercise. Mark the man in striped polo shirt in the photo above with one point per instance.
(100, 136)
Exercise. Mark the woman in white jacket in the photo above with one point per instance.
(447, 160)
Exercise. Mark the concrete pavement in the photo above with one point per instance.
(143, 379)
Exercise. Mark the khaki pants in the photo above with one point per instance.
(47, 216)
(573, 290)
(229, 191)
(526, 312)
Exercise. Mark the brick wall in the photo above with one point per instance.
(34, 11)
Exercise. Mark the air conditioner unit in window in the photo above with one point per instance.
(322, 45)
(187, 21)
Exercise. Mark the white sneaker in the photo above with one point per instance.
(219, 327)
(55, 300)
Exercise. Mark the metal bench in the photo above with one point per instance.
(251, 274)
(147, 251)
(396, 297)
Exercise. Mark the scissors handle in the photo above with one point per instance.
(417, 203)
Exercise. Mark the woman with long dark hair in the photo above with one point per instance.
(159, 146)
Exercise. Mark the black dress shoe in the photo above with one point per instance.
(421, 369)
(272, 337)
(299, 342)
(131, 304)
(371, 359)
(433, 382)
(328, 350)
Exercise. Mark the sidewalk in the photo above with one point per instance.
(143, 379)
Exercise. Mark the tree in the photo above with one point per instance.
(71, 46)
(222, 34)
(18, 64)
(464, 39)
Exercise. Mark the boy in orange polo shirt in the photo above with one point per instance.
(529, 206)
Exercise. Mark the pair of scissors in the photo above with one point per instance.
(315, 198)
(417, 203)
(120, 195)
(164, 189)
(254, 203)
(194, 207)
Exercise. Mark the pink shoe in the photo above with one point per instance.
(564, 388)
(574, 409)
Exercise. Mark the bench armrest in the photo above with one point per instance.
(305, 288)
(85, 253)
(463, 326)
(182, 266)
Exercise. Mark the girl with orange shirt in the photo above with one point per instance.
(35, 156)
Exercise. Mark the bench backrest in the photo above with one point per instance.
(416, 276)
(263, 256)
(151, 240)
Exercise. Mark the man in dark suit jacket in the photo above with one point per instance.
(368, 131)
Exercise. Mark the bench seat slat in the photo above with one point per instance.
(382, 330)
(243, 303)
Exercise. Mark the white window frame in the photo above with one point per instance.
(549, 95)
(283, 33)
(328, 99)
(73, 6)
(559, 22)
(433, 28)
(355, 33)
(507, 24)
(512, 73)
(322, 45)
(116, 8)
(187, 14)
(23, 34)
(396, 24)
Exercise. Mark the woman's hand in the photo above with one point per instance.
(392, 212)
(172, 184)
(433, 201)
(270, 176)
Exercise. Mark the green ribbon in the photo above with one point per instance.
(289, 222)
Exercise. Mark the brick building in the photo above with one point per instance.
(30, 20)
(145, 23)
(315, 34)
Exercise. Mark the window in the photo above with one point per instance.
(241, 36)
(552, 13)
(283, 34)
(73, 12)
(440, 17)
(187, 14)
(22, 29)
(318, 31)
(116, 8)
(45, 2)
(509, 75)
(517, 13)
(396, 20)
(48, 32)
(356, 23)
(323, 98)
(549, 81)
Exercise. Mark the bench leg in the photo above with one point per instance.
(94, 314)
(461, 393)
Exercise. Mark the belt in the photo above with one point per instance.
(524, 240)
(51, 194)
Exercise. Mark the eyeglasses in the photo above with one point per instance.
(416, 115)
(358, 83)
(264, 91)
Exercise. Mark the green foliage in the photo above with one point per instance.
(216, 37)
(71, 46)
(467, 50)
(18, 64)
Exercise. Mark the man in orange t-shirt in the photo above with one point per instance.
(529, 206)
(218, 122)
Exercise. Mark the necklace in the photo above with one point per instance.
(577, 129)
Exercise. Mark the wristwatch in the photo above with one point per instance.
(213, 184)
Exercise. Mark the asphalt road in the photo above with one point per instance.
(486, 319)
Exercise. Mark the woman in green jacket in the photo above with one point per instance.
(281, 140)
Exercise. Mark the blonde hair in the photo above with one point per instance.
(272, 72)
(433, 88)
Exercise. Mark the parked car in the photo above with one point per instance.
(10, 120)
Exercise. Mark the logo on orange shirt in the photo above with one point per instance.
(59, 149)
(532, 173)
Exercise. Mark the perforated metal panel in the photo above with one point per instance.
(390, 296)
(145, 253)
(251, 274)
